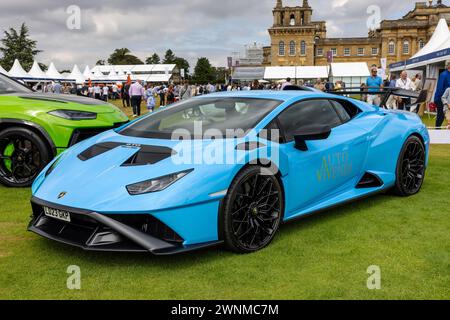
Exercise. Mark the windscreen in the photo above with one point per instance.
(199, 117)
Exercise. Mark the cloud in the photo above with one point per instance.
(191, 28)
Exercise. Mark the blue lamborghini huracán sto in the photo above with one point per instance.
(225, 168)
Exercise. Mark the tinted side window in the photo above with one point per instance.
(306, 113)
(341, 111)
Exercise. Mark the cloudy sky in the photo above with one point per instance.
(191, 28)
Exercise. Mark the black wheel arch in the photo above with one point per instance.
(37, 129)
(262, 163)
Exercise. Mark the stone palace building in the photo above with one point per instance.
(297, 39)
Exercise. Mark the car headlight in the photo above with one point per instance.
(74, 115)
(157, 184)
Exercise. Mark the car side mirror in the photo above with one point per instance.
(311, 133)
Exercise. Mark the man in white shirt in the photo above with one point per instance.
(91, 92)
(287, 83)
(115, 92)
(105, 93)
(97, 92)
(406, 84)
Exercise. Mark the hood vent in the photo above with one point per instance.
(145, 156)
(149, 155)
(97, 150)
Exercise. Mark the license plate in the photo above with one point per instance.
(57, 214)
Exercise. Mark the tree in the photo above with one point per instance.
(100, 63)
(154, 59)
(169, 57)
(18, 45)
(221, 75)
(182, 64)
(123, 56)
(204, 72)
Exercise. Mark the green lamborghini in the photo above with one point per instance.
(35, 127)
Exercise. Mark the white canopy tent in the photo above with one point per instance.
(77, 76)
(312, 72)
(436, 50)
(440, 35)
(53, 73)
(147, 72)
(98, 75)
(296, 72)
(36, 73)
(278, 73)
(158, 78)
(248, 73)
(351, 73)
(87, 73)
(17, 71)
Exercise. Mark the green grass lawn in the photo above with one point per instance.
(325, 256)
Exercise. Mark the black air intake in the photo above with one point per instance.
(368, 181)
(145, 156)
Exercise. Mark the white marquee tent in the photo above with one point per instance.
(52, 73)
(436, 50)
(440, 35)
(352, 73)
(278, 73)
(296, 72)
(17, 71)
(77, 75)
(36, 72)
(87, 73)
(312, 72)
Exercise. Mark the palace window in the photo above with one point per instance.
(391, 47)
(303, 48)
(421, 44)
(281, 49)
(292, 20)
(361, 51)
(334, 51)
(406, 47)
(374, 51)
(292, 48)
(347, 52)
(320, 52)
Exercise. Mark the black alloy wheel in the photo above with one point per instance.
(23, 155)
(411, 168)
(252, 210)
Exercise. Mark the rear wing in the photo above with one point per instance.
(358, 93)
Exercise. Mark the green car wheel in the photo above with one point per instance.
(23, 155)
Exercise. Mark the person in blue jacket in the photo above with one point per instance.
(443, 84)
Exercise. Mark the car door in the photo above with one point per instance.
(329, 166)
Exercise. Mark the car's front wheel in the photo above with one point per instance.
(23, 155)
(410, 168)
(252, 210)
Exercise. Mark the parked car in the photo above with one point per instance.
(291, 154)
(35, 127)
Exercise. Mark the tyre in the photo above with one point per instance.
(410, 168)
(252, 210)
(23, 154)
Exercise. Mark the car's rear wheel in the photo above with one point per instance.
(23, 155)
(411, 168)
(252, 210)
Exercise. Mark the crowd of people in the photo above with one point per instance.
(157, 95)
